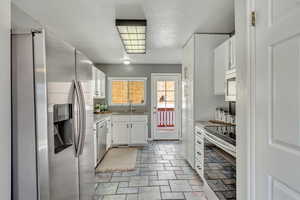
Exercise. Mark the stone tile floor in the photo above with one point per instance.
(161, 173)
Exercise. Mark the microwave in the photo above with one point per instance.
(230, 86)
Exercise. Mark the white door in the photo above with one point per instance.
(276, 107)
(165, 104)
(120, 133)
(138, 133)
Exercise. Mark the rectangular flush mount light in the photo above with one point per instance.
(133, 35)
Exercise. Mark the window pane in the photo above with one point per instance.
(161, 99)
(170, 85)
(136, 92)
(119, 92)
(161, 85)
(170, 96)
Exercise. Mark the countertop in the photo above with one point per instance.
(130, 113)
(100, 117)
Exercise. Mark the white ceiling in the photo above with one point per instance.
(89, 25)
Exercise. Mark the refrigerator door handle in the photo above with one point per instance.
(82, 120)
(76, 125)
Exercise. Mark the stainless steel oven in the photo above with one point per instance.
(230, 87)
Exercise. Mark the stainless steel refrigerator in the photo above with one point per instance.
(52, 108)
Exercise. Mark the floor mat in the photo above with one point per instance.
(118, 159)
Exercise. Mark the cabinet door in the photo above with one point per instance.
(109, 135)
(120, 133)
(99, 79)
(221, 62)
(95, 147)
(96, 82)
(232, 52)
(102, 84)
(101, 137)
(138, 133)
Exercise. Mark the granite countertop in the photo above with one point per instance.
(100, 117)
(129, 113)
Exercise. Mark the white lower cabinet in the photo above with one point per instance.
(138, 134)
(130, 130)
(199, 151)
(109, 135)
(120, 133)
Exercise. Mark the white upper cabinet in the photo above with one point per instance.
(99, 79)
(231, 56)
(221, 61)
(224, 63)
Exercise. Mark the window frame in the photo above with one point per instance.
(110, 79)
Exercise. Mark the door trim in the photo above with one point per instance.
(178, 77)
(245, 56)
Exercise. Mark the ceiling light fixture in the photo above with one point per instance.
(126, 62)
(133, 35)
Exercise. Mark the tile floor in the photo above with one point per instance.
(161, 173)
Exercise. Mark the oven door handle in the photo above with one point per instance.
(222, 146)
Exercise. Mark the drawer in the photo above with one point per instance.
(199, 155)
(199, 143)
(199, 132)
(199, 167)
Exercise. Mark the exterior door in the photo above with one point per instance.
(276, 105)
(165, 115)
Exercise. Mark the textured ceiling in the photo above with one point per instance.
(89, 25)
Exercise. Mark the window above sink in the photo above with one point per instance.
(127, 90)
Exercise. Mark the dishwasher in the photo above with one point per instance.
(102, 129)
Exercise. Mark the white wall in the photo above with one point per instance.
(5, 132)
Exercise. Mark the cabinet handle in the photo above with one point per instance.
(131, 125)
(127, 126)
(199, 142)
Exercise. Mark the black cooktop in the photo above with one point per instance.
(226, 133)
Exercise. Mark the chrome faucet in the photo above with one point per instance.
(131, 109)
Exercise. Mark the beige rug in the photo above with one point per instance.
(118, 159)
